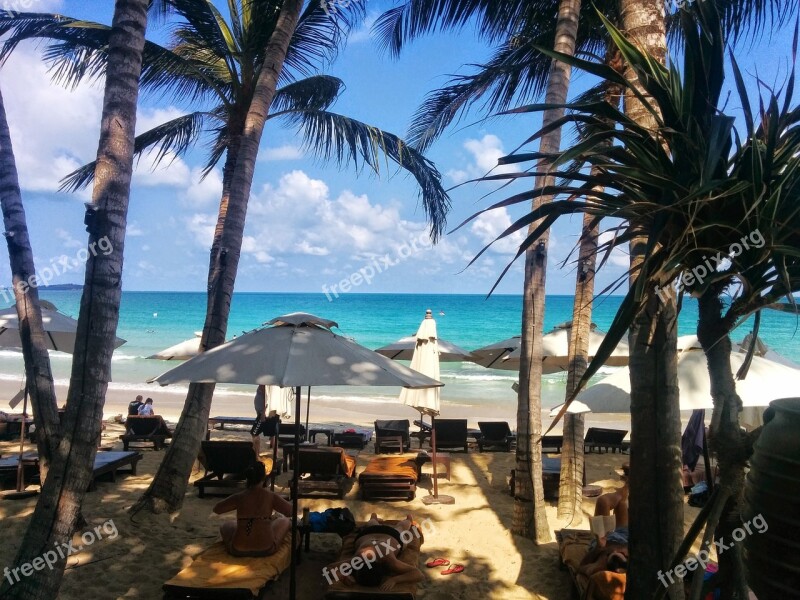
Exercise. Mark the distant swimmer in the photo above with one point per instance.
(441, 313)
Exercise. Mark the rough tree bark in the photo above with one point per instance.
(530, 519)
(54, 518)
(656, 495)
(168, 488)
(38, 376)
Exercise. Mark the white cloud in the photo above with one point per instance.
(484, 153)
(171, 171)
(202, 192)
(618, 258)
(490, 225)
(285, 152)
(67, 240)
(201, 226)
(364, 33)
(133, 230)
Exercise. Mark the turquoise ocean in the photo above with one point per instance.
(152, 321)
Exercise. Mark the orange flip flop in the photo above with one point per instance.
(437, 562)
(453, 570)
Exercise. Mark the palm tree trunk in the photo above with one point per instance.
(656, 495)
(727, 442)
(38, 376)
(570, 496)
(530, 519)
(56, 512)
(168, 488)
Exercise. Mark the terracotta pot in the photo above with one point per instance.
(772, 505)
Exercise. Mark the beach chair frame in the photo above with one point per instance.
(392, 434)
(495, 434)
(150, 429)
(451, 433)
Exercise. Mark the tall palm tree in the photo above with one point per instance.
(38, 375)
(54, 518)
(696, 189)
(217, 63)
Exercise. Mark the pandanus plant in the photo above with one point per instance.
(709, 198)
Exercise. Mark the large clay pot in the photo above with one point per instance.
(772, 505)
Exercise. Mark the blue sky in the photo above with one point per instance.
(309, 225)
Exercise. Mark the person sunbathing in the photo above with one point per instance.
(610, 554)
(375, 562)
(615, 502)
(254, 532)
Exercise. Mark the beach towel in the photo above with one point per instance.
(410, 555)
(215, 569)
(692, 439)
(390, 465)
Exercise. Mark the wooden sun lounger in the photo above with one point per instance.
(403, 591)
(495, 434)
(225, 462)
(392, 434)
(327, 470)
(145, 429)
(8, 469)
(552, 443)
(105, 464)
(451, 433)
(389, 478)
(605, 439)
(11, 428)
(573, 545)
(216, 575)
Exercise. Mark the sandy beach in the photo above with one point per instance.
(136, 555)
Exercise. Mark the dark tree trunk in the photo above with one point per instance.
(56, 513)
(38, 376)
(168, 488)
(727, 442)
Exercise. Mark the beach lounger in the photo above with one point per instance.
(494, 434)
(424, 433)
(216, 575)
(605, 439)
(351, 440)
(11, 426)
(145, 429)
(110, 463)
(451, 433)
(403, 591)
(286, 433)
(573, 545)
(8, 469)
(324, 470)
(552, 443)
(226, 461)
(392, 435)
(389, 478)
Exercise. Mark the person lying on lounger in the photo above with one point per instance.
(610, 554)
(377, 549)
(254, 532)
(615, 502)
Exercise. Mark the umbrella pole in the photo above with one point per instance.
(436, 498)
(308, 409)
(293, 566)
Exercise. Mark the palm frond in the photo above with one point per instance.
(313, 93)
(340, 139)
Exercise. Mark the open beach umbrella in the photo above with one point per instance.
(295, 350)
(425, 359)
(555, 351)
(403, 349)
(181, 351)
(764, 351)
(60, 335)
(765, 381)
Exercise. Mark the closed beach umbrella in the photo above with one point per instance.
(555, 351)
(425, 359)
(765, 381)
(403, 349)
(181, 351)
(295, 350)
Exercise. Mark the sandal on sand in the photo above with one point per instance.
(437, 562)
(453, 570)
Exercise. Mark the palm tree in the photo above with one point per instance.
(693, 190)
(55, 516)
(218, 64)
(38, 376)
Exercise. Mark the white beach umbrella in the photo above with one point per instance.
(764, 351)
(181, 351)
(575, 408)
(296, 350)
(403, 349)
(555, 351)
(765, 381)
(425, 359)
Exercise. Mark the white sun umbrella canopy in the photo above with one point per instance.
(181, 351)
(425, 359)
(763, 351)
(765, 381)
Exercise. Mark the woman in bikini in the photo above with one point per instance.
(254, 532)
(379, 546)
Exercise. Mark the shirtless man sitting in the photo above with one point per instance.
(616, 503)
(377, 549)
